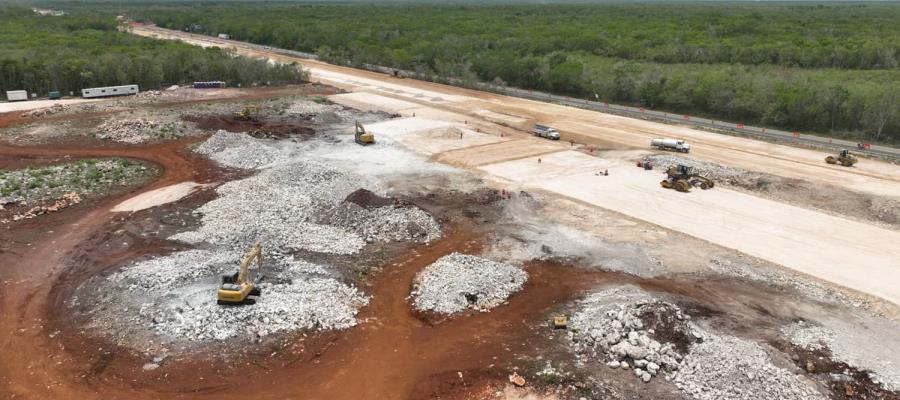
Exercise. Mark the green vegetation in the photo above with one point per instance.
(813, 67)
(85, 177)
(83, 49)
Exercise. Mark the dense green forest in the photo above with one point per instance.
(813, 67)
(84, 49)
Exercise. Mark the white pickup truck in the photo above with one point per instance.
(545, 132)
(671, 144)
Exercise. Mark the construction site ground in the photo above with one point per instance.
(740, 262)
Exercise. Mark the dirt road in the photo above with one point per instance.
(804, 240)
(582, 126)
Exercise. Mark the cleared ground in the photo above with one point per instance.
(805, 240)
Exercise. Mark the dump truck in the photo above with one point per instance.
(671, 144)
(844, 158)
(237, 288)
(682, 178)
(545, 132)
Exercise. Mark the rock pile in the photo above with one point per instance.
(173, 270)
(457, 282)
(386, 223)
(304, 207)
(296, 295)
(67, 200)
(717, 172)
(41, 112)
(726, 367)
(622, 327)
(238, 150)
(127, 130)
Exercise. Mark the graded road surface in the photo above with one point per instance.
(851, 254)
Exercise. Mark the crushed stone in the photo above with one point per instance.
(727, 367)
(850, 342)
(457, 282)
(625, 327)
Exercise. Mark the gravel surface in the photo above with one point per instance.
(238, 150)
(854, 343)
(297, 205)
(457, 282)
(758, 273)
(726, 367)
(296, 295)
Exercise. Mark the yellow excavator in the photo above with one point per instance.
(361, 136)
(237, 288)
(247, 114)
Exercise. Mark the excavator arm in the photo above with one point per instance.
(243, 272)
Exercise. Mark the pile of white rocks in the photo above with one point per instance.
(296, 205)
(174, 270)
(726, 368)
(457, 282)
(296, 295)
(717, 172)
(386, 224)
(238, 150)
(610, 327)
(127, 130)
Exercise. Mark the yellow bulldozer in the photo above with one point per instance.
(682, 178)
(844, 158)
(361, 136)
(238, 288)
(247, 114)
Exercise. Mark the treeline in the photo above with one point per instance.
(818, 68)
(68, 53)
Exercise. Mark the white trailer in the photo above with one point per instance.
(545, 132)
(16, 95)
(671, 144)
(224, 36)
(109, 91)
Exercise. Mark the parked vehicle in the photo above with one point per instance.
(671, 144)
(54, 95)
(545, 132)
(109, 91)
(16, 95)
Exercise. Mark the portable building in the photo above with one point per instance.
(109, 91)
(209, 85)
(16, 95)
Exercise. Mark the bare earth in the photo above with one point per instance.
(845, 252)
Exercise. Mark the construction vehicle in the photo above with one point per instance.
(247, 114)
(671, 144)
(238, 288)
(545, 132)
(361, 136)
(844, 158)
(560, 322)
(682, 178)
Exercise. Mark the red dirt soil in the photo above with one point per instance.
(391, 354)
